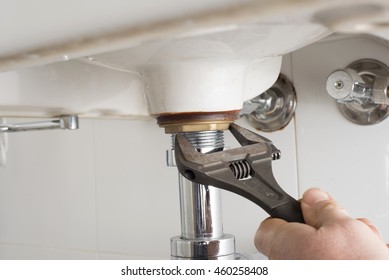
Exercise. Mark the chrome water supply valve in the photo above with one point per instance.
(273, 109)
(361, 90)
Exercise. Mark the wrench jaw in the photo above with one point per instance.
(255, 148)
(260, 187)
(246, 137)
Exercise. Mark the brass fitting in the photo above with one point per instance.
(196, 121)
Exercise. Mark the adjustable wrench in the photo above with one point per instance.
(245, 170)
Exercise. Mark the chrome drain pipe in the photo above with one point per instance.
(202, 234)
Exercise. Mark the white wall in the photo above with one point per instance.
(104, 191)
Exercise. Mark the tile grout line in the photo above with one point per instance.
(45, 247)
(95, 188)
(295, 131)
(69, 250)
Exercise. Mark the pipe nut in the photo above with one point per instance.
(380, 91)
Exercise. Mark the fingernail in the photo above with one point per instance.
(313, 196)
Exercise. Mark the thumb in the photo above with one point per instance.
(320, 209)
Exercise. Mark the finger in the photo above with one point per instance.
(278, 239)
(370, 225)
(267, 234)
(320, 209)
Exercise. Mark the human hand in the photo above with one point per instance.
(329, 233)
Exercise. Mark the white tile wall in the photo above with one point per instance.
(47, 190)
(137, 195)
(17, 252)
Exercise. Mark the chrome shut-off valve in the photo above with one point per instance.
(273, 109)
(361, 90)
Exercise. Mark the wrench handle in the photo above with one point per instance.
(289, 211)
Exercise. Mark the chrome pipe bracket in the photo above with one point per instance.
(66, 122)
(361, 91)
(3, 146)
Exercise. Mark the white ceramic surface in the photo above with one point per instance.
(74, 20)
(183, 59)
(206, 86)
(72, 87)
(49, 31)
